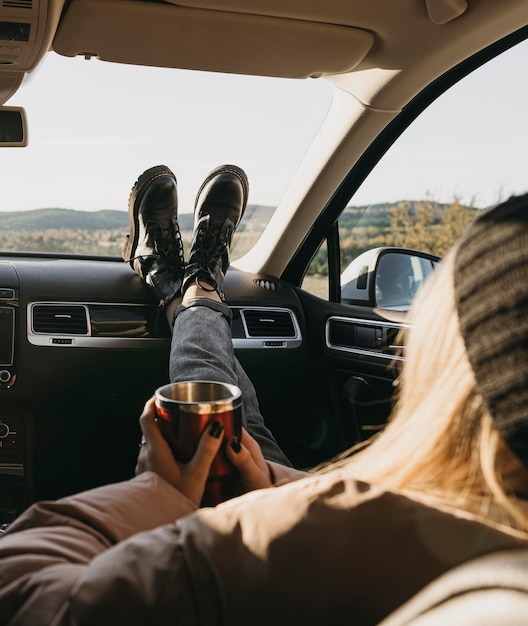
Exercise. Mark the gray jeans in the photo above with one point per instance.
(202, 349)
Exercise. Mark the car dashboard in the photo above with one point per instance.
(83, 345)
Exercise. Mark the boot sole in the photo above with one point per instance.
(136, 195)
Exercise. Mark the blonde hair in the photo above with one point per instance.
(440, 443)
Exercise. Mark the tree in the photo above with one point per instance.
(428, 226)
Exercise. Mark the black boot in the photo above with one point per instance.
(220, 204)
(154, 246)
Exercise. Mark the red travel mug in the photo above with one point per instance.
(185, 409)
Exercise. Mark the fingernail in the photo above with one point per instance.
(235, 445)
(216, 429)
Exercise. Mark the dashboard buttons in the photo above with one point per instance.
(9, 439)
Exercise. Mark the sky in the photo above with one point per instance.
(94, 127)
(90, 139)
(470, 143)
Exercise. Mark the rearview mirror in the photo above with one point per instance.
(387, 278)
(13, 127)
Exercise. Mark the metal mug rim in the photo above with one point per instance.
(219, 405)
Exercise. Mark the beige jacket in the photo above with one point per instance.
(322, 550)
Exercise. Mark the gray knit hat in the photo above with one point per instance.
(491, 292)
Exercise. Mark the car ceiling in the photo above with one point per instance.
(277, 38)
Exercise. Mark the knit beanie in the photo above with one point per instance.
(491, 293)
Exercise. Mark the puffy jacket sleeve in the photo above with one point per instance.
(49, 552)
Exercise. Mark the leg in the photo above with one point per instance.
(202, 347)
(199, 355)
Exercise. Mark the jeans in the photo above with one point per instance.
(202, 349)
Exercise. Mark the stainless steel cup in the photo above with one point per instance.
(184, 410)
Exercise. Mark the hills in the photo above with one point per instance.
(423, 225)
(56, 218)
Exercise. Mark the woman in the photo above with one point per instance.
(441, 485)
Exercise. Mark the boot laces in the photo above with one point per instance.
(169, 245)
(211, 244)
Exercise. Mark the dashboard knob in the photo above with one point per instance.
(4, 430)
(5, 376)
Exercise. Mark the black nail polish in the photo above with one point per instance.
(216, 429)
(235, 445)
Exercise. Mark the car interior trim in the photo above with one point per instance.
(89, 336)
(364, 337)
(26, 32)
(272, 333)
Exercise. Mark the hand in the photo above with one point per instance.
(248, 459)
(156, 456)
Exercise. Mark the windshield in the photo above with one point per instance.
(95, 126)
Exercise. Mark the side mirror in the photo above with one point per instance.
(387, 278)
(13, 127)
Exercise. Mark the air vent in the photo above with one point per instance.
(17, 4)
(60, 319)
(269, 323)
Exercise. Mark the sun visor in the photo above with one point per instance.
(148, 33)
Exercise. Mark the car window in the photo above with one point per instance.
(95, 126)
(463, 154)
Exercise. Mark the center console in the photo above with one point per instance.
(14, 479)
